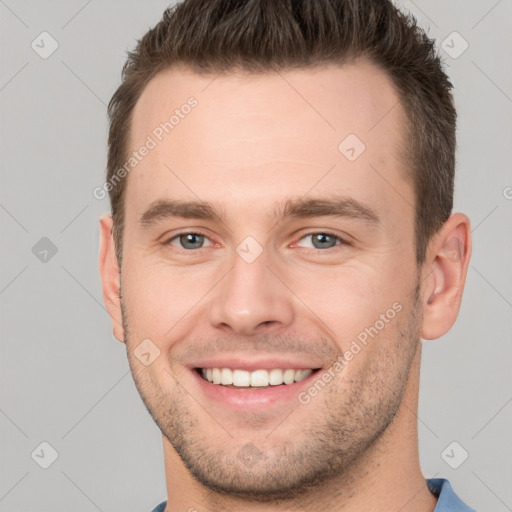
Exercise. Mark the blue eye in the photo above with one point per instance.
(190, 241)
(322, 240)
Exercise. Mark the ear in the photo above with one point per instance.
(444, 273)
(110, 276)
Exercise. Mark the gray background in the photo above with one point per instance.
(65, 380)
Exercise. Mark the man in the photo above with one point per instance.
(281, 179)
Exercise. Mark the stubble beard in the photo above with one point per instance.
(346, 426)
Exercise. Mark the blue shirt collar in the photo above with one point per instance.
(447, 500)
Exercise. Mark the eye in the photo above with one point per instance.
(321, 240)
(190, 241)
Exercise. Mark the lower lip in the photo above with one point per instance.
(248, 398)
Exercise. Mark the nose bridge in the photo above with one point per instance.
(250, 298)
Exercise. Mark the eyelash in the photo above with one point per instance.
(341, 240)
(181, 233)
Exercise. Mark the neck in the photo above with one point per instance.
(387, 477)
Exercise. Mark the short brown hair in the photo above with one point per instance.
(211, 36)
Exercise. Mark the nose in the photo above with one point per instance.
(250, 299)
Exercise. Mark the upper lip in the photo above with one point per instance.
(243, 362)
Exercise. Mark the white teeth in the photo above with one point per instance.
(241, 378)
(257, 378)
(301, 375)
(216, 375)
(275, 377)
(289, 376)
(226, 377)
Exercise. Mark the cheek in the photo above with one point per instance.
(160, 298)
(349, 301)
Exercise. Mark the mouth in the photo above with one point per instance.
(237, 378)
(263, 383)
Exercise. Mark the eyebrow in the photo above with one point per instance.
(293, 208)
(336, 207)
(165, 209)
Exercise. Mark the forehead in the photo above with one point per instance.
(261, 137)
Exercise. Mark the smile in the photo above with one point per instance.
(256, 379)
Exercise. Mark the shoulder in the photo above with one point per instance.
(447, 500)
(160, 508)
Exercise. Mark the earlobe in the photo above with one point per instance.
(110, 276)
(447, 264)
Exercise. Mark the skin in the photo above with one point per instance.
(253, 142)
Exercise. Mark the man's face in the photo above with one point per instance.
(305, 254)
